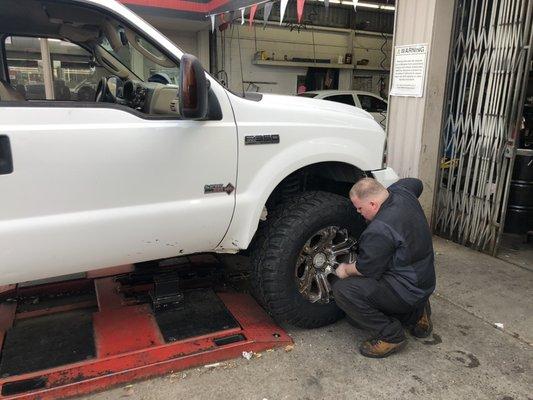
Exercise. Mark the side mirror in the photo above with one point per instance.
(114, 85)
(192, 88)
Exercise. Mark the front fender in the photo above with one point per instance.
(252, 196)
(310, 131)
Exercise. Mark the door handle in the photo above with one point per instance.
(6, 160)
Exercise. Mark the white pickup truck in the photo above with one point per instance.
(160, 160)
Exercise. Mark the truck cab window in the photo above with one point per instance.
(74, 75)
(112, 64)
(144, 65)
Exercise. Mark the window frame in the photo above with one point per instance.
(44, 103)
(77, 104)
(4, 60)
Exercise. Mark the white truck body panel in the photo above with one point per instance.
(380, 117)
(87, 195)
(311, 131)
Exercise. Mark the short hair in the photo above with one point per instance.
(365, 188)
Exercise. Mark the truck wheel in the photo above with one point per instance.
(295, 254)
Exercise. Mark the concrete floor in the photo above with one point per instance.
(515, 249)
(466, 358)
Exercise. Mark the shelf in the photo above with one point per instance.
(372, 33)
(298, 64)
(369, 68)
(358, 32)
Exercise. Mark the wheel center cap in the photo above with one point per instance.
(319, 260)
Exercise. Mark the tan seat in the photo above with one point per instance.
(7, 93)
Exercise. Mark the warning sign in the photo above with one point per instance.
(409, 70)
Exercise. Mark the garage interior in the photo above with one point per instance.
(469, 138)
(340, 49)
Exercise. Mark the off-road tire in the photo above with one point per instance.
(276, 248)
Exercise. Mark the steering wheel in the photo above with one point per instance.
(103, 94)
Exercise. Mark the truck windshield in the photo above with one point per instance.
(140, 64)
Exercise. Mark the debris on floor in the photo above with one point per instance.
(128, 391)
(289, 347)
(215, 365)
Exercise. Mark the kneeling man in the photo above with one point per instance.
(389, 285)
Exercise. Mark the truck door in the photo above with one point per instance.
(101, 184)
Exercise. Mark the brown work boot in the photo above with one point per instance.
(377, 348)
(423, 326)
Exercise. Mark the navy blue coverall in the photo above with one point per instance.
(397, 265)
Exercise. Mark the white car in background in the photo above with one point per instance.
(368, 101)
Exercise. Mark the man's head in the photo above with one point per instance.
(367, 196)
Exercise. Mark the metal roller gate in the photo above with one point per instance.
(486, 85)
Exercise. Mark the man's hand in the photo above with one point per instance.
(344, 270)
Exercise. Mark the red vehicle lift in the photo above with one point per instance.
(78, 336)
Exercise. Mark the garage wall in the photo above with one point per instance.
(280, 41)
(414, 123)
(186, 41)
(192, 42)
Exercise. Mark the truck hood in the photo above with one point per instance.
(299, 112)
(309, 104)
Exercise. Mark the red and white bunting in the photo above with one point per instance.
(266, 12)
(282, 8)
(300, 9)
(300, 5)
(252, 14)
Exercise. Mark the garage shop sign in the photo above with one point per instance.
(409, 70)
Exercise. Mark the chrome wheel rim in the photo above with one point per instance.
(318, 259)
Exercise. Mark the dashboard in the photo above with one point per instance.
(151, 97)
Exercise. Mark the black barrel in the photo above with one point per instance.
(519, 218)
(523, 168)
(521, 194)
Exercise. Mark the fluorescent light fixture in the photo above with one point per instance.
(362, 4)
(367, 5)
